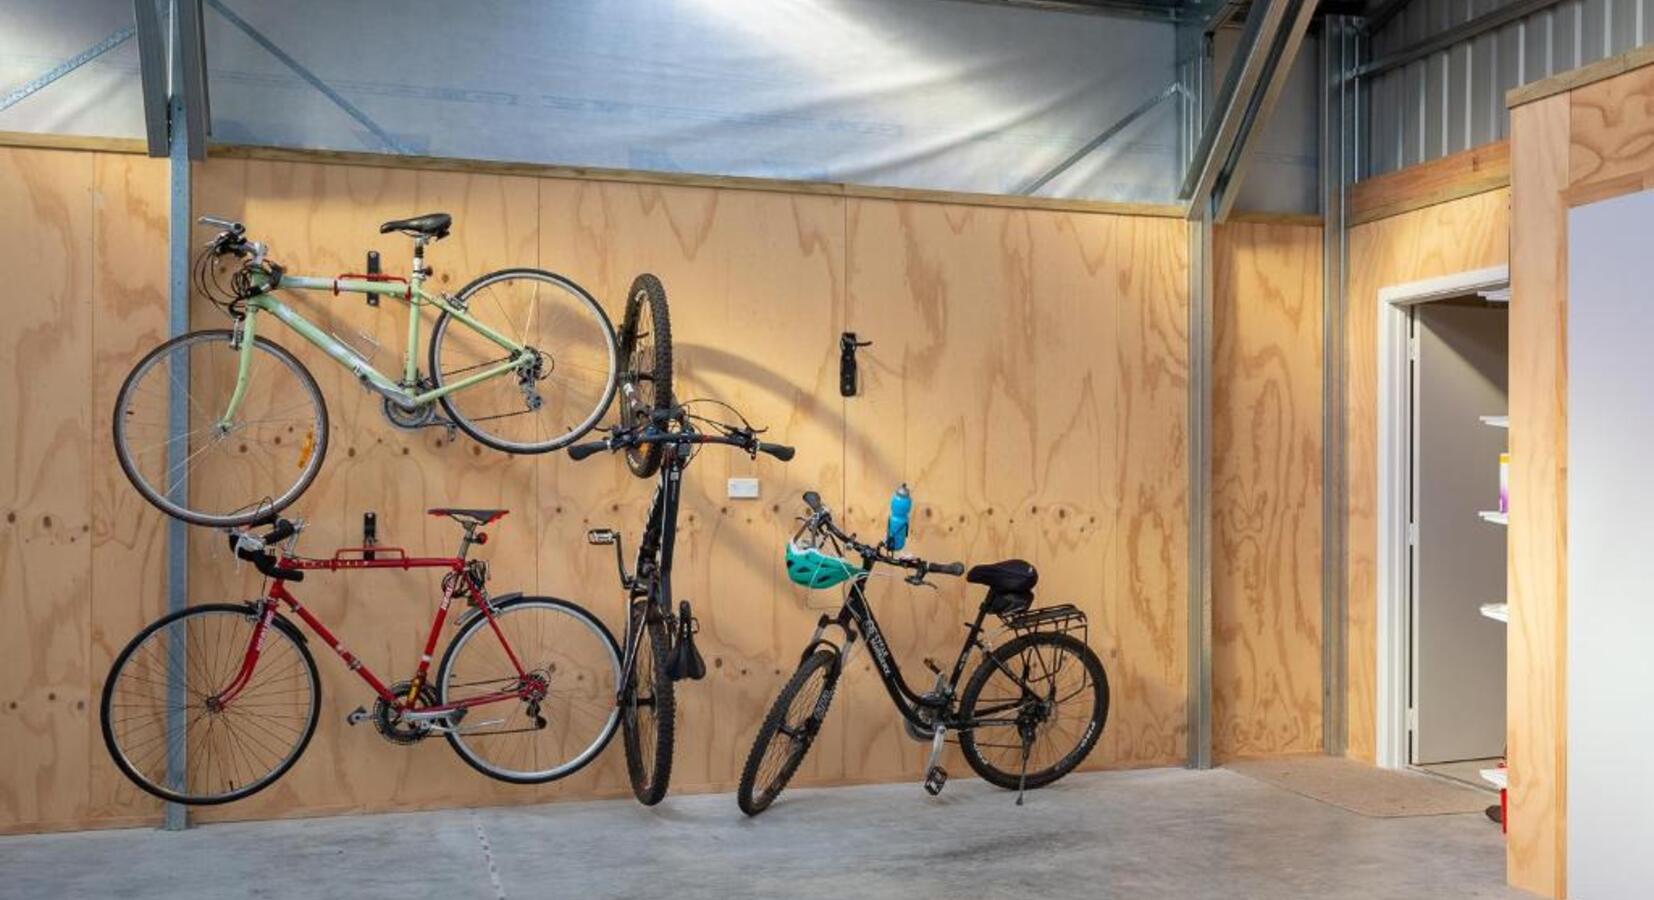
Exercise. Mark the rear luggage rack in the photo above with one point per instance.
(1066, 618)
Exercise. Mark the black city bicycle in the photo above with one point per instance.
(659, 644)
(1032, 711)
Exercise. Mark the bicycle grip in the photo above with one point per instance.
(813, 501)
(581, 451)
(953, 568)
(779, 451)
(281, 532)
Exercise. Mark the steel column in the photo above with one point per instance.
(1200, 488)
(1339, 134)
(152, 70)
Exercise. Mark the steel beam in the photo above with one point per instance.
(1464, 31)
(1200, 489)
(1340, 44)
(152, 69)
(1282, 56)
(1381, 16)
(189, 73)
(1223, 124)
(1108, 134)
(175, 816)
(40, 83)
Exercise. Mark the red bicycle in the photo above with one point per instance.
(215, 702)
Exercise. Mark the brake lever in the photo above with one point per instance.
(917, 579)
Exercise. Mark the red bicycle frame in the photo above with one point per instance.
(354, 558)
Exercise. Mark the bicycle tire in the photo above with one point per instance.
(461, 640)
(589, 418)
(645, 384)
(261, 509)
(754, 798)
(649, 745)
(122, 758)
(1007, 655)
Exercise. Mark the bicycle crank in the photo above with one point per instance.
(936, 777)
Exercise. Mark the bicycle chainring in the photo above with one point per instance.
(927, 714)
(416, 418)
(389, 720)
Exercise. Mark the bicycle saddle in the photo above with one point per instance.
(431, 225)
(474, 516)
(1011, 576)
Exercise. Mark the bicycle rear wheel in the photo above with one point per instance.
(183, 458)
(648, 709)
(1046, 696)
(569, 715)
(787, 733)
(228, 751)
(646, 366)
(570, 382)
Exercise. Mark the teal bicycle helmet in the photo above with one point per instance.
(810, 567)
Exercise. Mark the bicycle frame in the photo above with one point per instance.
(278, 596)
(410, 291)
(652, 575)
(856, 617)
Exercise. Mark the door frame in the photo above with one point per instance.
(1394, 487)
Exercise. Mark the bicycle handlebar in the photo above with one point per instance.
(821, 519)
(653, 434)
(256, 550)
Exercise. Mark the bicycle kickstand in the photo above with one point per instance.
(1022, 779)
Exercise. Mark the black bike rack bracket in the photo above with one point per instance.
(848, 381)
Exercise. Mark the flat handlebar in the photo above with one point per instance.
(822, 519)
(623, 439)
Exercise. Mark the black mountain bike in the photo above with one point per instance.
(1032, 711)
(650, 667)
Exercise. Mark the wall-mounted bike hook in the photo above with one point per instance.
(370, 533)
(848, 382)
(373, 269)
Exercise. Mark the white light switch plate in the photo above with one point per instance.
(743, 489)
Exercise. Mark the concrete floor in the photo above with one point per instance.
(1467, 771)
(1154, 833)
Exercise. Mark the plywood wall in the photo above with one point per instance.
(1266, 490)
(1028, 377)
(1455, 236)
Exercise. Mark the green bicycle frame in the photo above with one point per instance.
(411, 293)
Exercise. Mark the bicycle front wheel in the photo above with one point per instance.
(182, 453)
(646, 367)
(1040, 702)
(787, 732)
(567, 386)
(648, 709)
(563, 711)
(169, 725)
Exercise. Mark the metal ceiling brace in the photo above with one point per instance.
(1279, 69)
(1108, 134)
(38, 84)
(1464, 31)
(309, 77)
(152, 70)
(1223, 123)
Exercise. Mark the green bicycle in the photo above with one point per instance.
(226, 428)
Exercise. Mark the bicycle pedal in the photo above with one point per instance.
(356, 716)
(935, 780)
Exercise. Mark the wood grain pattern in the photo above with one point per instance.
(1266, 490)
(1469, 233)
(1573, 79)
(1028, 378)
(47, 714)
(1463, 174)
(1536, 720)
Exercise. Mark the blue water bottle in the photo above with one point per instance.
(901, 503)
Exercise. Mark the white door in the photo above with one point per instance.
(1458, 561)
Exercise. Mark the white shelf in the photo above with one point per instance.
(1498, 612)
(1494, 516)
(1496, 421)
(1499, 778)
